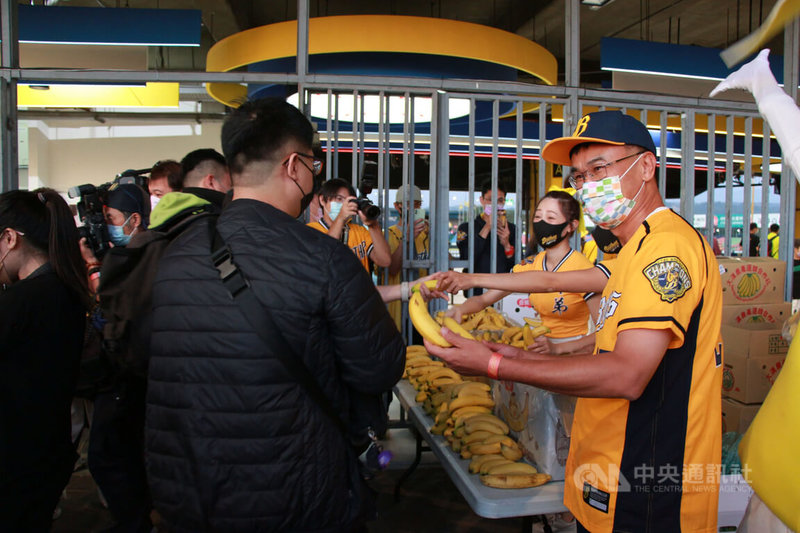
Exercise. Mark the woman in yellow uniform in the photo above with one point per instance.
(565, 313)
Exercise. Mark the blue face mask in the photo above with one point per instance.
(117, 234)
(335, 208)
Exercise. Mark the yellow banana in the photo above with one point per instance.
(479, 448)
(438, 429)
(471, 400)
(416, 348)
(478, 436)
(421, 370)
(486, 465)
(421, 396)
(442, 381)
(541, 330)
(455, 327)
(532, 323)
(509, 333)
(513, 468)
(514, 481)
(478, 460)
(423, 322)
(471, 385)
(490, 418)
(504, 440)
(527, 335)
(468, 411)
(472, 427)
(512, 453)
(466, 453)
(440, 373)
(431, 283)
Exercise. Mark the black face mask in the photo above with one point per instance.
(305, 201)
(548, 235)
(606, 241)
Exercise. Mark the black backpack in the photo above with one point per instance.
(125, 292)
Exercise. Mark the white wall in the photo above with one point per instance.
(64, 157)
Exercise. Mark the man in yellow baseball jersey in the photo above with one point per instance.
(337, 199)
(396, 237)
(646, 444)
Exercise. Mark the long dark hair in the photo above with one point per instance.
(46, 221)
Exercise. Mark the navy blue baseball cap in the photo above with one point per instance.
(605, 127)
(128, 197)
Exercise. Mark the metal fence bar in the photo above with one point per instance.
(748, 185)
(728, 179)
(494, 193)
(687, 165)
(518, 188)
(711, 179)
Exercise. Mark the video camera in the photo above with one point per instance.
(90, 208)
(369, 180)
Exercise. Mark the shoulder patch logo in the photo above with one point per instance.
(668, 277)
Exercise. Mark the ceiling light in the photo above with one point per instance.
(596, 4)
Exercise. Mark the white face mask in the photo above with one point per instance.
(334, 209)
(153, 202)
(604, 202)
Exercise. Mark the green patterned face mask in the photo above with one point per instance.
(604, 202)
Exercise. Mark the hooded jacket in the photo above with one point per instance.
(233, 442)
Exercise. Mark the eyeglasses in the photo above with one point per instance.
(597, 171)
(316, 164)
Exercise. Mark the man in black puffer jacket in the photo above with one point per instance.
(234, 442)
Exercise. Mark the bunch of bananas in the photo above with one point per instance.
(485, 319)
(749, 286)
(524, 336)
(426, 325)
(462, 412)
(425, 374)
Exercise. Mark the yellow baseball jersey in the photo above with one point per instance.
(422, 248)
(652, 464)
(356, 237)
(565, 313)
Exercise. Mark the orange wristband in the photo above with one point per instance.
(494, 365)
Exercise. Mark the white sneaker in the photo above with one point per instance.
(557, 524)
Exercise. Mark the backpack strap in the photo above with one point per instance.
(238, 287)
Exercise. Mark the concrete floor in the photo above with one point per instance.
(429, 502)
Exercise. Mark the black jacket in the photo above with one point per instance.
(483, 249)
(233, 442)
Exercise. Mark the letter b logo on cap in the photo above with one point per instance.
(582, 125)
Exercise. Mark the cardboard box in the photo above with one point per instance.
(748, 379)
(752, 280)
(736, 416)
(742, 315)
(753, 340)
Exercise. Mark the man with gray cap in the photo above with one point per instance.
(646, 444)
(411, 198)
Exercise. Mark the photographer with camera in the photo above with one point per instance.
(339, 204)
(116, 439)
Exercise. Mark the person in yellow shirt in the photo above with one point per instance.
(565, 313)
(337, 199)
(396, 237)
(602, 239)
(773, 241)
(646, 442)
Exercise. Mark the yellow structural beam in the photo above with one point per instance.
(376, 33)
(150, 95)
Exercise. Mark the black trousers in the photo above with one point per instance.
(116, 454)
(27, 504)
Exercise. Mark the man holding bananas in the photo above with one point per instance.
(234, 440)
(646, 442)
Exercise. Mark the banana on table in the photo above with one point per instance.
(462, 413)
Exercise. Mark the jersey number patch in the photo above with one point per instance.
(668, 277)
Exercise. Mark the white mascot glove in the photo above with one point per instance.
(774, 105)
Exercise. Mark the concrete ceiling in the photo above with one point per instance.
(710, 23)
